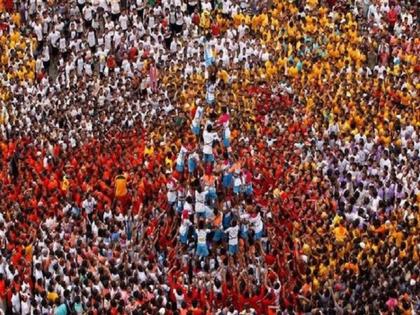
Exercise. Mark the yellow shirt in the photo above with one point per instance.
(52, 296)
(149, 151)
(340, 233)
(16, 18)
(169, 163)
(312, 3)
(65, 184)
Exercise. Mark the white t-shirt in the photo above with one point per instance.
(197, 117)
(123, 22)
(209, 137)
(16, 303)
(89, 205)
(115, 6)
(199, 201)
(87, 13)
(257, 223)
(202, 236)
(233, 234)
(171, 191)
(181, 155)
(206, 6)
(91, 39)
(184, 226)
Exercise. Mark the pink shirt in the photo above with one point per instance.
(223, 119)
(392, 303)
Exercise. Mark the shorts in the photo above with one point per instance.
(232, 249)
(209, 212)
(212, 193)
(226, 142)
(202, 250)
(201, 214)
(180, 168)
(236, 190)
(192, 165)
(210, 100)
(183, 238)
(218, 236)
(208, 158)
(248, 190)
(227, 180)
(209, 61)
(226, 221)
(179, 206)
(196, 130)
(244, 234)
(258, 236)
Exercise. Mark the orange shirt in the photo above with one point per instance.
(120, 186)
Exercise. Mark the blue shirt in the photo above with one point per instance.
(61, 310)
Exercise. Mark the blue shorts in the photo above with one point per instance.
(232, 249)
(202, 250)
(218, 236)
(226, 142)
(192, 165)
(248, 190)
(227, 180)
(236, 190)
(179, 206)
(258, 236)
(210, 101)
(208, 158)
(244, 234)
(201, 214)
(226, 221)
(208, 61)
(212, 193)
(209, 212)
(196, 130)
(183, 238)
(179, 167)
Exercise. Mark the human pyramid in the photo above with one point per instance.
(209, 157)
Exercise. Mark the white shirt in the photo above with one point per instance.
(206, 6)
(54, 37)
(199, 201)
(197, 117)
(385, 162)
(209, 137)
(91, 38)
(233, 234)
(184, 226)
(202, 236)
(26, 307)
(123, 22)
(16, 303)
(181, 155)
(115, 6)
(87, 13)
(89, 205)
(257, 223)
(171, 195)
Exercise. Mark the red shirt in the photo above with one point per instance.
(215, 29)
(111, 63)
(196, 19)
(392, 16)
(132, 53)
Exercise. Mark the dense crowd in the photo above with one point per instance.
(209, 157)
